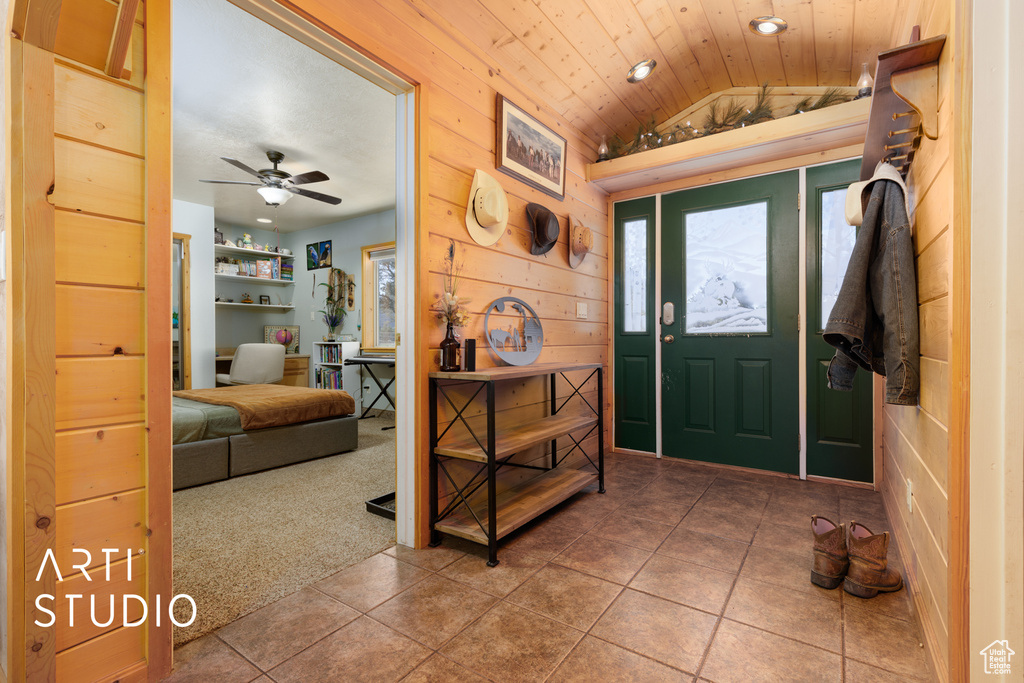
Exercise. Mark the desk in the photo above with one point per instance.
(368, 362)
(296, 368)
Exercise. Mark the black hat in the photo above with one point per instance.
(545, 228)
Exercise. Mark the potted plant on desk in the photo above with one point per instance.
(334, 304)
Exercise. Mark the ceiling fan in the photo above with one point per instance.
(277, 186)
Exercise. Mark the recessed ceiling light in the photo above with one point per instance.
(264, 220)
(768, 26)
(641, 70)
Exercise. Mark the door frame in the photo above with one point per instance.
(406, 92)
(185, 314)
(800, 164)
(36, 25)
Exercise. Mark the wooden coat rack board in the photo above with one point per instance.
(906, 75)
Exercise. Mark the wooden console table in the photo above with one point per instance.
(486, 518)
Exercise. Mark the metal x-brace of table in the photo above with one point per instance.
(368, 362)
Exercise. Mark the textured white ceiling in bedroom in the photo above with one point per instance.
(242, 87)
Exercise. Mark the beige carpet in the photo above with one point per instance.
(243, 543)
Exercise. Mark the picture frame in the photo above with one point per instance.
(517, 134)
(324, 254)
(265, 299)
(313, 256)
(288, 335)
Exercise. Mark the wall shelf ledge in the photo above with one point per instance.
(814, 131)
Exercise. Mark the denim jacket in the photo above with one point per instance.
(873, 323)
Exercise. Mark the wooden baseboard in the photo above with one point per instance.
(841, 482)
(630, 451)
(910, 581)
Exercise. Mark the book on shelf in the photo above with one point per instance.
(264, 269)
(328, 379)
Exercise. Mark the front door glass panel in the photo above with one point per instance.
(634, 279)
(726, 251)
(837, 240)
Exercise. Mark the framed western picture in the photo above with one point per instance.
(286, 335)
(528, 150)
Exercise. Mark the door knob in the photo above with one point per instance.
(668, 339)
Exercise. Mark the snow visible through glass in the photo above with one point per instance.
(727, 270)
(837, 240)
(634, 279)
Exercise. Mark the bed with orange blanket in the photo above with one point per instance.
(230, 431)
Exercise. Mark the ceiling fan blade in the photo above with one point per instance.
(231, 182)
(314, 195)
(238, 164)
(311, 177)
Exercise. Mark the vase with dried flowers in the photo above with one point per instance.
(334, 303)
(450, 309)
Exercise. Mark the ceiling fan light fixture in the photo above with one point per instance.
(274, 195)
(768, 26)
(641, 70)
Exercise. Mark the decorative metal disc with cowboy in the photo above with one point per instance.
(521, 338)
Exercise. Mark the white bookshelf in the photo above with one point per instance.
(329, 358)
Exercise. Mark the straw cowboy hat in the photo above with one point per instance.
(545, 228)
(487, 210)
(581, 241)
(857, 194)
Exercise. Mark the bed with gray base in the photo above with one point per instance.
(225, 450)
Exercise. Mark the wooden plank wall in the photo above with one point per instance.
(916, 439)
(460, 84)
(98, 256)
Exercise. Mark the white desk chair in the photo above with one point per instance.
(255, 364)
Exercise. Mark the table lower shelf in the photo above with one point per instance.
(512, 440)
(517, 505)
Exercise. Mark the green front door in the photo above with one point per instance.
(839, 423)
(636, 329)
(730, 354)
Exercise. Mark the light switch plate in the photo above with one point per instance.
(581, 311)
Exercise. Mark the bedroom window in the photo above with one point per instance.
(378, 319)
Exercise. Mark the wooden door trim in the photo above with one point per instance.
(31, 378)
(960, 352)
(158, 326)
(185, 314)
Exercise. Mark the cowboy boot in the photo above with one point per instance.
(869, 571)
(830, 557)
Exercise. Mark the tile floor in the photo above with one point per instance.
(679, 572)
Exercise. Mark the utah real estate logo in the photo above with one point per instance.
(997, 657)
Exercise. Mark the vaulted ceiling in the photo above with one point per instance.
(576, 53)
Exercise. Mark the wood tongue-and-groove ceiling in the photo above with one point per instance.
(575, 53)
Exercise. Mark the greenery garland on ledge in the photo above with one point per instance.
(729, 115)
